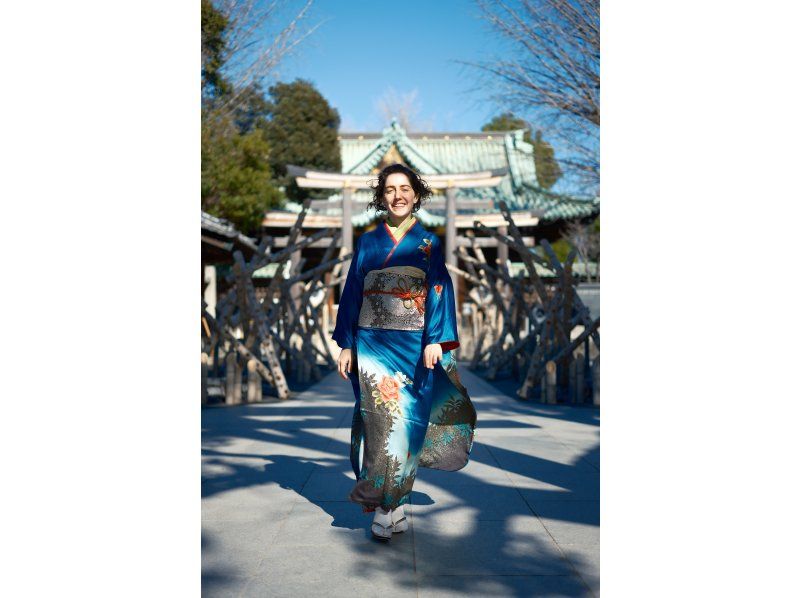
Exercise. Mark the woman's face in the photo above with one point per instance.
(398, 195)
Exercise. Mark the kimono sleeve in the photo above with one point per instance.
(344, 332)
(440, 304)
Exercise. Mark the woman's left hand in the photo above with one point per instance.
(432, 355)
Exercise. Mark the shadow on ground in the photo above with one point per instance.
(514, 521)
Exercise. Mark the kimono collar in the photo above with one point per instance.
(397, 232)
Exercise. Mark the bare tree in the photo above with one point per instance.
(257, 43)
(405, 107)
(553, 76)
(586, 242)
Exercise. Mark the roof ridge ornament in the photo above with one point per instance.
(394, 128)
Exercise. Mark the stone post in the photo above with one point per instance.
(550, 377)
(233, 380)
(253, 382)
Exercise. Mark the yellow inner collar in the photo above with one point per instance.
(399, 230)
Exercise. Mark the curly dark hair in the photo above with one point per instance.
(421, 189)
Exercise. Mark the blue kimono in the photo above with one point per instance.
(398, 298)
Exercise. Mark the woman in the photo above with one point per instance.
(397, 329)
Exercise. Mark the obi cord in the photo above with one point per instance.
(398, 298)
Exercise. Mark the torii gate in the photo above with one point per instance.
(315, 179)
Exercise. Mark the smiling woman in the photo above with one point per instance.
(397, 329)
(399, 191)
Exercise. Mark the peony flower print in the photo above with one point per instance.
(388, 391)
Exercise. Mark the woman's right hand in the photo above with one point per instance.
(345, 363)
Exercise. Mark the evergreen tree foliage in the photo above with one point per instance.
(252, 109)
(547, 169)
(302, 129)
(234, 156)
(212, 26)
(235, 174)
(508, 122)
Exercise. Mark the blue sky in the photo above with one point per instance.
(363, 49)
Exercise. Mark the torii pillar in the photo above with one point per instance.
(450, 233)
(347, 227)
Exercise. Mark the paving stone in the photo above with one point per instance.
(541, 586)
(586, 560)
(558, 485)
(249, 503)
(231, 477)
(485, 502)
(236, 548)
(220, 580)
(327, 522)
(330, 486)
(520, 545)
(355, 566)
(571, 522)
(532, 456)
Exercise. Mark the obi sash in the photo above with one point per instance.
(394, 299)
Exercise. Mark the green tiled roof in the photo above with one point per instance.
(441, 153)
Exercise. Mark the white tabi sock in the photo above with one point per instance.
(382, 517)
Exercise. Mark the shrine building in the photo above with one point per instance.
(470, 173)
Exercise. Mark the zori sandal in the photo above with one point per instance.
(382, 525)
(399, 521)
(381, 532)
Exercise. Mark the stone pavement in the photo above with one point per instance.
(521, 519)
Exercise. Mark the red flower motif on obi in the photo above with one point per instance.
(411, 295)
(438, 288)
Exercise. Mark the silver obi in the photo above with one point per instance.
(394, 298)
